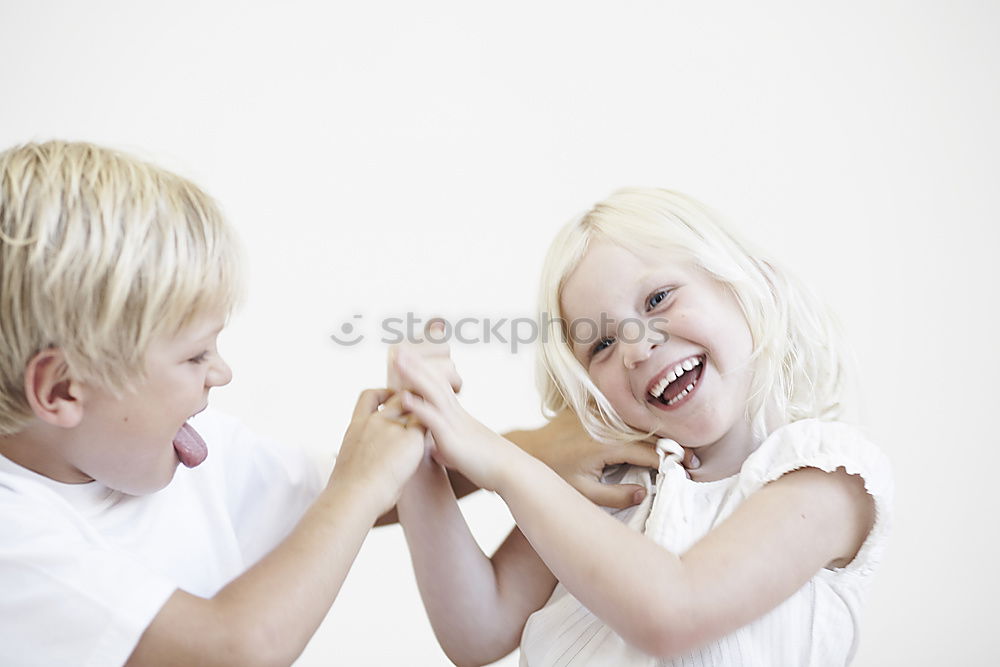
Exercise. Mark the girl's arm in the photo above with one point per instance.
(477, 605)
(662, 603)
(562, 444)
(667, 604)
(565, 446)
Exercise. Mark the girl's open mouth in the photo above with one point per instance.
(678, 384)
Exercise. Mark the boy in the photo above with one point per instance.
(115, 280)
(116, 277)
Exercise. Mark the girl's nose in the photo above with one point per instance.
(219, 374)
(637, 344)
(636, 353)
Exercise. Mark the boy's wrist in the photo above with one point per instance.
(371, 496)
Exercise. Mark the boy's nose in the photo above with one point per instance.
(220, 374)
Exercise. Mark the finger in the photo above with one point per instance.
(636, 453)
(617, 496)
(424, 412)
(418, 378)
(454, 379)
(435, 340)
(691, 460)
(392, 375)
(436, 347)
(392, 408)
(434, 332)
(413, 350)
(369, 400)
(441, 364)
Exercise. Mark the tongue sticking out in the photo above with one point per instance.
(190, 448)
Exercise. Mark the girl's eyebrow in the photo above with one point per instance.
(579, 348)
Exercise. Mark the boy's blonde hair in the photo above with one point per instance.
(799, 360)
(99, 254)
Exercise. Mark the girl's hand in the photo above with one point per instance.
(566, 447)
(380, 449)
(460, 441)
(437, 354)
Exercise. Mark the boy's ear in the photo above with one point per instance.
(53, 395)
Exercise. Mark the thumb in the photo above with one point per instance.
(691, 460)
(618, 496)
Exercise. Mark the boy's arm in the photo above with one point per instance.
(267, 615)
(477, 605)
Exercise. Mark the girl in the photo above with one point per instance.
(665, 329)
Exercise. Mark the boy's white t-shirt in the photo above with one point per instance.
(84, 569)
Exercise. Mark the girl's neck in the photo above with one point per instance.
(725, 457)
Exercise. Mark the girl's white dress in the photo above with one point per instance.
(817, 626)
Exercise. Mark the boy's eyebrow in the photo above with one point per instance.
(197, 338)
(215, 332)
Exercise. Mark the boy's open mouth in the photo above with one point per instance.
(677, 383)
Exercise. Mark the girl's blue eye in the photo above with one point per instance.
(600, 345)
(656, 298)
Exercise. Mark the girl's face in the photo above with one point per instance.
(665, 343)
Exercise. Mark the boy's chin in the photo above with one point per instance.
(146, 487)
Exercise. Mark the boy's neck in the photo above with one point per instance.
(33, 451)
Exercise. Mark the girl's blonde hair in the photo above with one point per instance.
(800, 363)
(99, 254)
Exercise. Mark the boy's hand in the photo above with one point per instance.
(566, 447)
(380, 450)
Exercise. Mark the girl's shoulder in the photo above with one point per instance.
(816, 443)
(828, 446)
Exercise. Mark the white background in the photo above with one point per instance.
(390, 156)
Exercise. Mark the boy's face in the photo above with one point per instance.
(133, 443)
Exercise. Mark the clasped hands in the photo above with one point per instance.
(425, 381)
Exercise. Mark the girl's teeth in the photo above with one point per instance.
(680, 396)
(675, 373)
